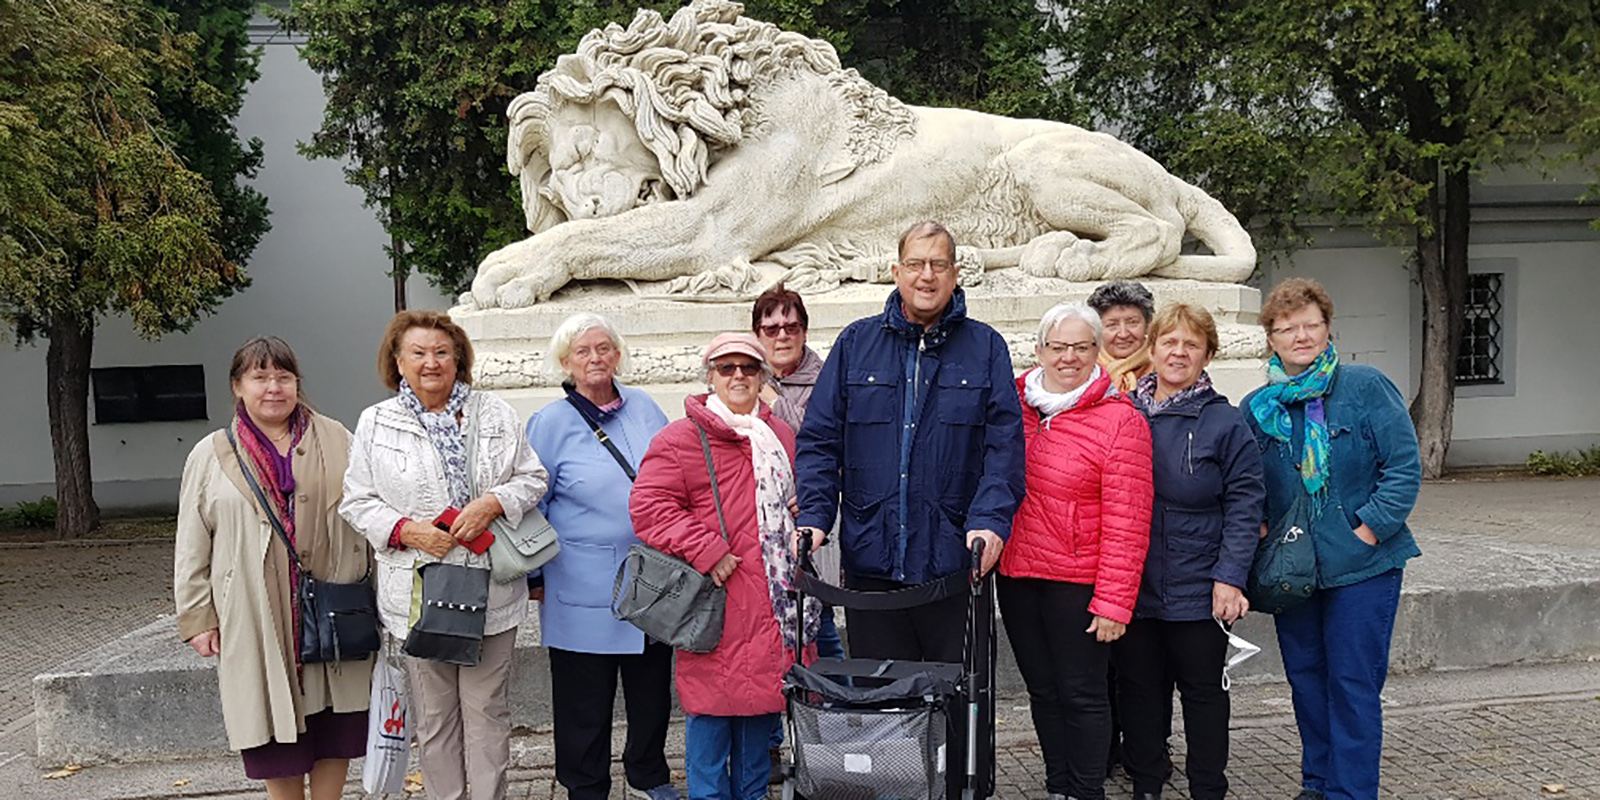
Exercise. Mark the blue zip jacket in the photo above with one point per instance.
(1209, 502)
(587, 503)
(1376, 470)
(912, 438)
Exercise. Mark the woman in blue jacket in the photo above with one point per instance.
(1203, 530)
(1340, 435)
(590, 478)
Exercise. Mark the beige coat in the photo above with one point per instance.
(231, 571)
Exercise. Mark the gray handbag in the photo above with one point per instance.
(515, 552)
(665, 596)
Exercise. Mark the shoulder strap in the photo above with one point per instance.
(606, 440)
(711, 469)
(474, 409)
(261, 498)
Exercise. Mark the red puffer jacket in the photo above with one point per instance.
(673, 512)
(1086, 517)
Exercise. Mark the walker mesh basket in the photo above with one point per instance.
(853, 743)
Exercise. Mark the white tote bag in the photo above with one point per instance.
(388, 726)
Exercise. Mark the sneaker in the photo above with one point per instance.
(665, 791)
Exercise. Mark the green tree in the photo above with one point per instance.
(417, 94)
(98, 214)
(1371, 111)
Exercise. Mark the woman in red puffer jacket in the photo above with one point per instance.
(1069, 576)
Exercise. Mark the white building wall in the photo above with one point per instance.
(318, 280)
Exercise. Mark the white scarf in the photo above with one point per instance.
(1050, 403)
(774, 487)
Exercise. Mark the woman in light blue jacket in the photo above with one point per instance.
(1339, 436)
(591, 443)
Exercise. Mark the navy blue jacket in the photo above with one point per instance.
(912, 438)
(1376, 474)
(1209, 502)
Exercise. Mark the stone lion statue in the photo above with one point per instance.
(721, 151)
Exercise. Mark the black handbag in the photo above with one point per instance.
(338, 621)
(449, 604)
(1284, 572)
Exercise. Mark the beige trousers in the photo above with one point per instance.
(462, 716)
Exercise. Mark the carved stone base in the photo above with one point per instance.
(666, 337)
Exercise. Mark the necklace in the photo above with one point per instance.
(281, 436)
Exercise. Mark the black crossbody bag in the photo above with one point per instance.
(338, 621)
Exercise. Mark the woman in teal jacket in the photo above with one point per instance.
(1340, 434)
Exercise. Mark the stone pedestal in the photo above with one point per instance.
(666, 337)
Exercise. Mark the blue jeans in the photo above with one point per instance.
(1336, 656)
(726, 757)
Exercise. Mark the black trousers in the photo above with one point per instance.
(934, 632)
(1065, 670)
(583, 687)
(1152, 658)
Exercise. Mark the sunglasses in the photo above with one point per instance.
(745, 368)
(773, 331)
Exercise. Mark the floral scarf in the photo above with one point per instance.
(1271, 404)
(446, 435)
(1145, 393)
(774, 487)
(274, 473)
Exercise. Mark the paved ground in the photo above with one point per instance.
(1488, 733)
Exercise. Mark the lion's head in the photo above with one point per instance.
(639, 114)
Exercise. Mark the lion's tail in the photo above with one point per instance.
(1233, 255)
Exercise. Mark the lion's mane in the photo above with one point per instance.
(691, 86)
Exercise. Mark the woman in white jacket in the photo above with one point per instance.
(407, 465)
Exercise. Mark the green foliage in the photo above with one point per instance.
(1352, 108)
(417, 94)
(97, 212)
(1583, 462)
(39, 515)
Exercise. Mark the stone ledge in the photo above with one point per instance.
(1470, 602)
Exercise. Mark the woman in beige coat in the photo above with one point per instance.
(234, 581)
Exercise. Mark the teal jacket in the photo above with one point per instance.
(1376, 471)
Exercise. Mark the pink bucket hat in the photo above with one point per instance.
(724, 344)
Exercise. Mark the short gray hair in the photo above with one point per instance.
(1065, 311)
(1124, 293)
(926, 229)
(575, 326)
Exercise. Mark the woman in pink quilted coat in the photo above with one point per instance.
(1069, 575)
(731, 695)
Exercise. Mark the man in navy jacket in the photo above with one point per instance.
(913, 437)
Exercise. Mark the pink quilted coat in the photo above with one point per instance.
(1086, 517)
(673, 512)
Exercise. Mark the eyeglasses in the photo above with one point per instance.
(1060, 349)
(774, 331)
(745, 368)
(939, 266)
(1294, 330)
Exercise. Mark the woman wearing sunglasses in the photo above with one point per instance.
(714, 489)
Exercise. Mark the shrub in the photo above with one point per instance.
(40, 514)
(1583, 462)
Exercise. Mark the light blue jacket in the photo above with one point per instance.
(588, 505)
(1376, 468)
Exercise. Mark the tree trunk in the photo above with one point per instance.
(67, 390)
(396, 247)
(1442, 270)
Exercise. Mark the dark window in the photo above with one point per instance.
(1479, 359)
(149, 394)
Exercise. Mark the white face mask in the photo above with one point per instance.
(1245, 651)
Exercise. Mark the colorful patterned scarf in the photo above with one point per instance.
(445, 432)
(275, 474)
(1126, 372)
(1145, 393)
(1270, 407)
(774, 487)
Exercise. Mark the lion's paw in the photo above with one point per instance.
(516, 276)
(1059, 254)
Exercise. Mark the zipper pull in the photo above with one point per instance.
(1189, 452)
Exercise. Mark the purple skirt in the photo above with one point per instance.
(327, 735)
